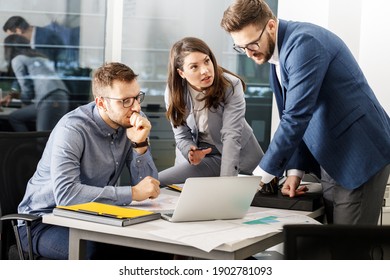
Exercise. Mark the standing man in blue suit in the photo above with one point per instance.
(330, 119)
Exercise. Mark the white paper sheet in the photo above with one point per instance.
(210, 234)
(163, 203)
(207, 235)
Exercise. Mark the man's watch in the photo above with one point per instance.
(140, 144)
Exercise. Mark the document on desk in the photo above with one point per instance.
(277, 219)
(164, 203)
(208, 235)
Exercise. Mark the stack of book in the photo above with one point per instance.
(106, 214)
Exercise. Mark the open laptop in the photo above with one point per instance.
(212, 198)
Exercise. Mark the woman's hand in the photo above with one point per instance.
(195, 155)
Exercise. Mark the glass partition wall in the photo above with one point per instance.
(140, 34)
(78, 27)
(150, 27)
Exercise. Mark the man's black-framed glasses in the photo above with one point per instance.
(128, 102)
(254, 46)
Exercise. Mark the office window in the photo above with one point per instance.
(140, 34)
(80, 25)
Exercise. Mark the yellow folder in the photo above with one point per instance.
(106, 213)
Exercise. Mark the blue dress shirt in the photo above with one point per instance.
(82, 161)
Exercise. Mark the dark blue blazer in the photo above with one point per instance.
(49, 43)
(329, 114)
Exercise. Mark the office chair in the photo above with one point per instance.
(20, 153)
(336, 242)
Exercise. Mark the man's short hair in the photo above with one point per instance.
(16, 22)
(242, 13)
(105, 76)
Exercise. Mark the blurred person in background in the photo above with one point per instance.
(42, 39)
(43, 94)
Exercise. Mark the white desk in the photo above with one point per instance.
(140, 236)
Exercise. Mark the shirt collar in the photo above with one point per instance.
(32, 41)
(194, 92)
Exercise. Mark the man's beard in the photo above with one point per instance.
(270, 49)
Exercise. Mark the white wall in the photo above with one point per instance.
(374, 53)
(362, 24)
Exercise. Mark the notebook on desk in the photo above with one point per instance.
(212, 198)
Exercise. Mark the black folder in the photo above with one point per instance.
(310, 201)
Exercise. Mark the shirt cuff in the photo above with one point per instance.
(124, 195)
(295, 172)
(265, 176)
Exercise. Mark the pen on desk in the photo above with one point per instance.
(98, 213)
(172, 187)
(175, 187)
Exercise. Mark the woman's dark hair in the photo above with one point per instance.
(215, 94)
(17, 44)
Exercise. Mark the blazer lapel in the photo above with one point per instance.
(275, 85)
(281, 33)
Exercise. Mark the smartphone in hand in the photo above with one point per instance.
(201, 148)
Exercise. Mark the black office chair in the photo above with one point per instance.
(336, 242)
(20, 153)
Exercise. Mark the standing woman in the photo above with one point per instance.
(42, 92)
(206, 107)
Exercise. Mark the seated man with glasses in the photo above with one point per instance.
(84, 158)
